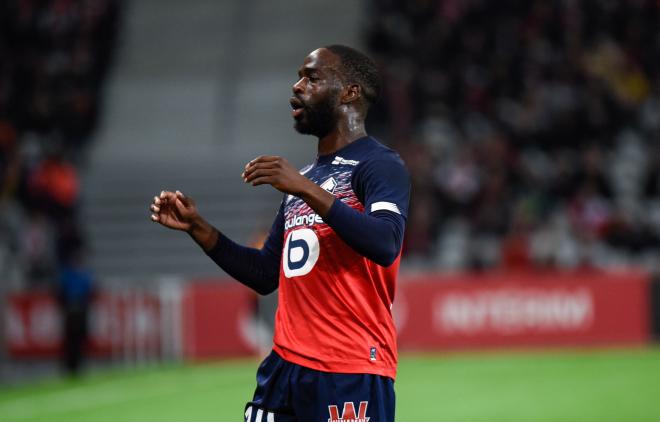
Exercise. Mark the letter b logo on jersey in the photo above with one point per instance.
(301, 251)
(348, 415)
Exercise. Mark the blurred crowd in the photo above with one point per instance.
(54, 57)
(531, 129)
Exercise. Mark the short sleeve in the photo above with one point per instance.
(383, 185)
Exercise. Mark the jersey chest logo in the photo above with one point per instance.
(329, 185)
(349, 415)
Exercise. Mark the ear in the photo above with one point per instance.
(351, 93)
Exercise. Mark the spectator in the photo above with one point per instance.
(525, 102)
(75, 293)
(54, 56)
(54, 185)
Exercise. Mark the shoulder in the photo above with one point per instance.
(375, 151)
(381, 171)
(379, 158)
(376, 157)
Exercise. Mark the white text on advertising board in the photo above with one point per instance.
(512, 311)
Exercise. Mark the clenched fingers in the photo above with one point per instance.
(249, 172)
(263, 180)
(167, 196)
(155, 206)
(158, 202)
(259, 173)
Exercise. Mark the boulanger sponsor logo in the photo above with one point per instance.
(339, 161)
(348, 413)
(302, 220)
(512, 311)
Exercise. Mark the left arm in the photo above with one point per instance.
(383, 186)
(280, 174)
(377, 236)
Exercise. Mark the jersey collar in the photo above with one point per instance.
(327, 158)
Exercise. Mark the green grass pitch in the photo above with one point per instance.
(558, 385)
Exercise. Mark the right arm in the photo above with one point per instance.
(256, 268)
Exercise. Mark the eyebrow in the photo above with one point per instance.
(306, 70)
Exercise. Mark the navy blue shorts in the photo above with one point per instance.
(287, 392)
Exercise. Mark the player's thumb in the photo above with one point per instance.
(181, 207)
(182, 198)
(181, 202)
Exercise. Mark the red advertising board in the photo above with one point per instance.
(522, 309)
(33, 325)
(119, 324)
(218, 320)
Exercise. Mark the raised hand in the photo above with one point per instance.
(277, 172)
(174, 210)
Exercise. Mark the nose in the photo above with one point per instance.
(298, 86)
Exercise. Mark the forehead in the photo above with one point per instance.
(320, 59)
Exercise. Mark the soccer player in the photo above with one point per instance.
(333, 251)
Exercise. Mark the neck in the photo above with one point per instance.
(348, 129)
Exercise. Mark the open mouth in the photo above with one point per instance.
(297, 107)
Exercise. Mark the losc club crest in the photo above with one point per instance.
(348, 414)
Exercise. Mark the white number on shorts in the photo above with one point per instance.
(270, 416)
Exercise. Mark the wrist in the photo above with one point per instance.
(203, 233)
(319, 199)
(306, 189)
(197, 225)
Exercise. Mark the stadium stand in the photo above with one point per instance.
(531, 128)
(54, 58)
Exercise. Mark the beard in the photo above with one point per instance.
(318, 119)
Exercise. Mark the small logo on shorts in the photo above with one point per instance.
(349, 415)
(372, 354)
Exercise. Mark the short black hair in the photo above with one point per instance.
(357, 68)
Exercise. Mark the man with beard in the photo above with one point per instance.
(333, 251)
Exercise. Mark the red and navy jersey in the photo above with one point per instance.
(335, 304)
